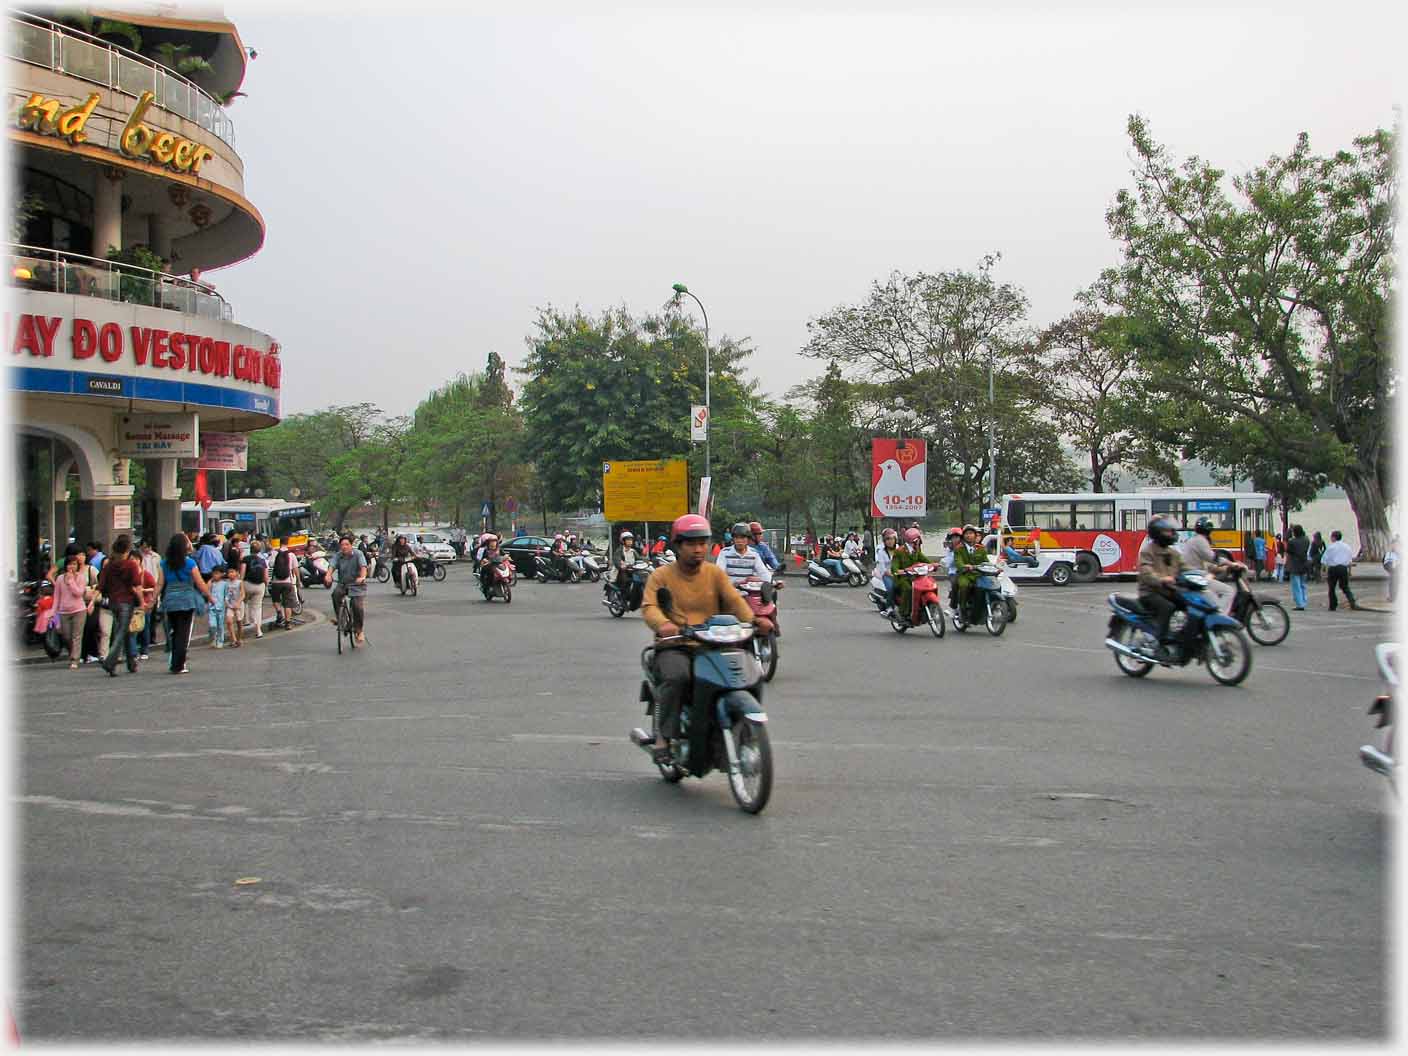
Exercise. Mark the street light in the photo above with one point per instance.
(681, 289)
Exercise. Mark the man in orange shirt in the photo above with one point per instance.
(697, 590)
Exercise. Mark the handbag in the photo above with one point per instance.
(137, 623)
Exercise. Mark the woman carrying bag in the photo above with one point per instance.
(73, 601)
(184, 594)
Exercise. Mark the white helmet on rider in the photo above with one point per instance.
(627, 536)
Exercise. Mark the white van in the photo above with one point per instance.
(433, 543)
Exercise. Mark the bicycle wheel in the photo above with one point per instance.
(337, 625)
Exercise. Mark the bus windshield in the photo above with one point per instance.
(285, 523)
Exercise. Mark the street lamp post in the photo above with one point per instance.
(681, 289)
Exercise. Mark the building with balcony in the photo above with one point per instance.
(126, 186)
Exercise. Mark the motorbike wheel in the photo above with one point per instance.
(997, 617)
(935, 618)
(1130, 666)
(507, 592)
(593, 577)
(439, 572)
(1269, 624)
(1236, 659)
(856, 579)
(812, 581)
(752, 785)
(765, 649)
(383, 574)
(898, 624)
(616, 605)
(296, 606)
(1011, 607)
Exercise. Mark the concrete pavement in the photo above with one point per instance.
(450, 837)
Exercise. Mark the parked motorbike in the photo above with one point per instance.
(923, 601)
(764, 645)
(312, 567)
(1265, 618)
(500, 580)
(31, 630)
(986, 605)
(818, 575)
(722, 723)
(621, 600)
(545, 569)
(586, 564)
(1380, 760)
(1196, 632)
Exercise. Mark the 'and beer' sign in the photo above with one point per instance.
(157, 436)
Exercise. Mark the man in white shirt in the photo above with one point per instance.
(1338, 557)
(740, 561)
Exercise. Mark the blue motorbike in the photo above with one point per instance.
(1198, 631)
(722, 724)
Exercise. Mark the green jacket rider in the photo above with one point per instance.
(967, 556)
(908, 554)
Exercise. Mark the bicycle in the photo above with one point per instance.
(344, 624)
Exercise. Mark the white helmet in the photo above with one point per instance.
(627, 535)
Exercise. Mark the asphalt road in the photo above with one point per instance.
(453, 839)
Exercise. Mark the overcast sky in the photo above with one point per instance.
(430, 178)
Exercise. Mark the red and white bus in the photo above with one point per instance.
(1099, 533)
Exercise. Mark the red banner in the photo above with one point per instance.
(899, 478)
(202, 489)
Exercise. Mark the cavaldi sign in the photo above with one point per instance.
(50, 117)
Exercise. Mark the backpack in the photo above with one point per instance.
(256, 570)
(282, 561)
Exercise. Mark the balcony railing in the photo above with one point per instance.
(40, 42)
(32, 268)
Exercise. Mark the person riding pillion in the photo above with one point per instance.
(1159, 565)
(967, 556)
(1198, 553)
(911, 553)
(697, 590)
(889, 541)
(764, 551)
(487, 552)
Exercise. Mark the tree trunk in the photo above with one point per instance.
(1097, 473)
(1366, 497)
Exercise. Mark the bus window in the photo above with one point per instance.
(1253, 520)
(1050, 515)
(1134, 520)
(1095, 515)
(290, 522)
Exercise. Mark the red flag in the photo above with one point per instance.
(202, 489)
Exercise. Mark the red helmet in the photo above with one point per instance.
(690, 526)
(913, 536)
(755, 527)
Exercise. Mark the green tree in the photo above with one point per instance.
(1096, 397)
(1272, 298)
(617, 388)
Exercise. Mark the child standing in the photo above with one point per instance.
(234, 606)
(218, 589)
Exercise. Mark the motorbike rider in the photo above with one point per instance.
(627, 557)
(831, 558)
(911, 553)
(697, 590)
(1159, 565)
(557, 555)
(1197, 552)
(403, 560)
(952, 542)
(740, 561)
(889, 540)
(764, 551)
(967, 556)
(486, 554)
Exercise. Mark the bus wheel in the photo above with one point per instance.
(1087, 568)
(1061, 573)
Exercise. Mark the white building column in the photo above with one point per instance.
(107, 210)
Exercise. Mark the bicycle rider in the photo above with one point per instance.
(350, 569)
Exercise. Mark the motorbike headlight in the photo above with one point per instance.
(729, 634)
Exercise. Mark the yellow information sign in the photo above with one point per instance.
(649, 490)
